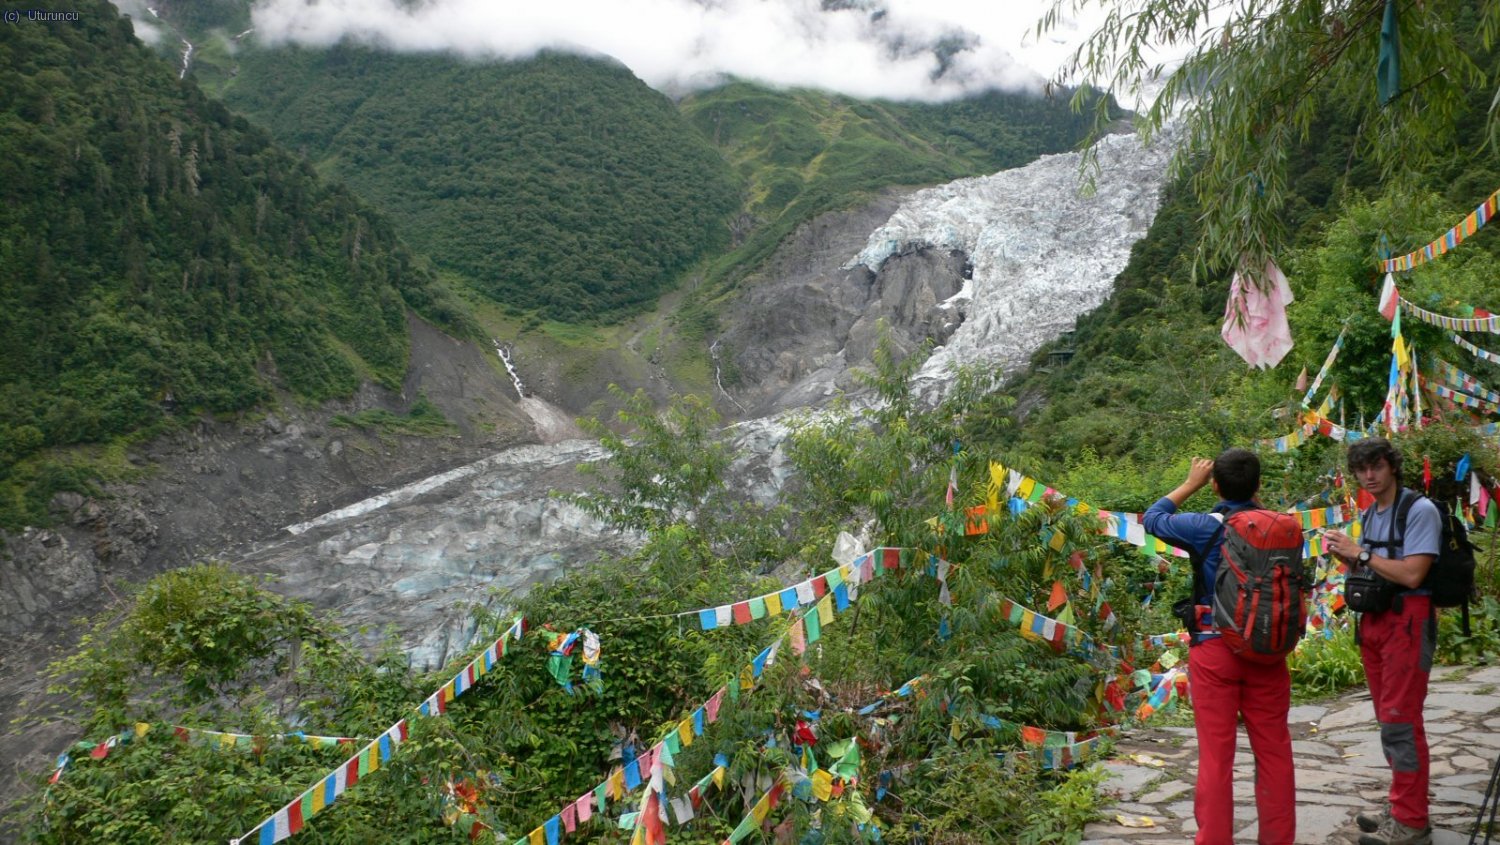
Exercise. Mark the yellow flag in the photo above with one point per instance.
(685, 732)
(997, 484)
(822, 785)
(538, 837)
(141, 728)
(825, 609)
(1028, 618)
(761, 809)
(773, 604)
(719, 776)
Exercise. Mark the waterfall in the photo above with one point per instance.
(510, 367)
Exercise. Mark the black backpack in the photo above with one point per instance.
(1451, 578)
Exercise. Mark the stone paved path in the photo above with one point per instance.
(1340, 768)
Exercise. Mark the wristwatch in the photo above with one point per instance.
(1364, 558)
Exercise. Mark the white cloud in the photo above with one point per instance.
(141, 20)
(883, 49)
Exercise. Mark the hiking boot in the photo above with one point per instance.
(1370, 822)
(1392, 832)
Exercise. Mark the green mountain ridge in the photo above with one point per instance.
(158, 252)
(560, 184)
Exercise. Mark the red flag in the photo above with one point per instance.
(1390, 298)
(1114, 696)
(650, 819)
(1059, 596)
(1427, 473)
(1363, 500)
(804, 734)
(294, 816)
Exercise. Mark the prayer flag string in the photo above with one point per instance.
(291, 818)
(1450, 239)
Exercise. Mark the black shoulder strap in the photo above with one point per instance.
(1404, 504)
(1396, 536)
(1197, 558)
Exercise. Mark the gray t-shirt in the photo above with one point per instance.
(1424, 530)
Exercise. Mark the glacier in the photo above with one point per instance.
(1044, 248)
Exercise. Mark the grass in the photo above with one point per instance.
(424, 420)
(28, 486)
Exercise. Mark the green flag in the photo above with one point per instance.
(1388, 68)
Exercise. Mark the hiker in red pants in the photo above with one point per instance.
(1397, 633)
(1226, 687)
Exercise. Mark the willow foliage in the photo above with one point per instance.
(1258, 75)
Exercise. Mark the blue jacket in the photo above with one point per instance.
(1192, 532)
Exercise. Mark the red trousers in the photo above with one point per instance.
(1225, 688)
(1396, 646)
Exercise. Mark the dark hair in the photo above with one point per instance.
(1369, 451)
(1237, 472)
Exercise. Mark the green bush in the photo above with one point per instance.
(1322, 667)
(1481, 644)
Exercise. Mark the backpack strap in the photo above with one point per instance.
(1197, 558)
(1404, 503)
(1397, 535)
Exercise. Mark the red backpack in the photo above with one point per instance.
(1260, 588)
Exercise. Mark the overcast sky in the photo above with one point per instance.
(878, 48)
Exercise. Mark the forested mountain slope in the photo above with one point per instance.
(159, 253)
(562, 185)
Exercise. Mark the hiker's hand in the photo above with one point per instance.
(1342, 545)
(1201, 472)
